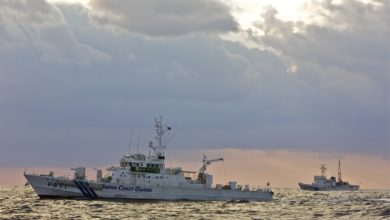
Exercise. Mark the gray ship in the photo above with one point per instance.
(321, 183)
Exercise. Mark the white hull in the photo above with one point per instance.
(47, 186)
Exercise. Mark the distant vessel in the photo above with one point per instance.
(141, 177)
(321, 183)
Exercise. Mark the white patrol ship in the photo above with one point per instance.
(321, 183)
(141, 177)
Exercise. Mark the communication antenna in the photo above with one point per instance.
(139, 135)
(130, 136)
(171, 138)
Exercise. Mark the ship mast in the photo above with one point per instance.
(339, 173)
(323, 169)
(161, 130)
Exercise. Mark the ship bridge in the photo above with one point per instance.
(140, 163)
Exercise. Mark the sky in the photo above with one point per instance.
(77, 77)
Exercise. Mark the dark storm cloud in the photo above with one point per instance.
(169, 18)
(63, 107)
(227, 95)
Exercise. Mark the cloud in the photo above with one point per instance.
(170, 18)
(351, 36)
(39, 26)
(228, 95)
(341, 56)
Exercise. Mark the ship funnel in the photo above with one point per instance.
(99, 175)
(79, 173)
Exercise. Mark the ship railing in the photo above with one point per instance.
(265, 189)
(43, 172)
(246, 188)
(38, 172)
(65, 177)
(261, 189)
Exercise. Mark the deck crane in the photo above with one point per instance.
(204, 166)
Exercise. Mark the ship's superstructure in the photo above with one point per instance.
(145, 177)
(321, 183)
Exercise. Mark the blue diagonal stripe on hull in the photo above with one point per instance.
(91, 189)
(83, 184)
(80, 188)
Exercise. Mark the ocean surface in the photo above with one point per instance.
(21, 202)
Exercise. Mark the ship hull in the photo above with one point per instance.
(52, 187)
(312, 187)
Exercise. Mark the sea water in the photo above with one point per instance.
(21, 202)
